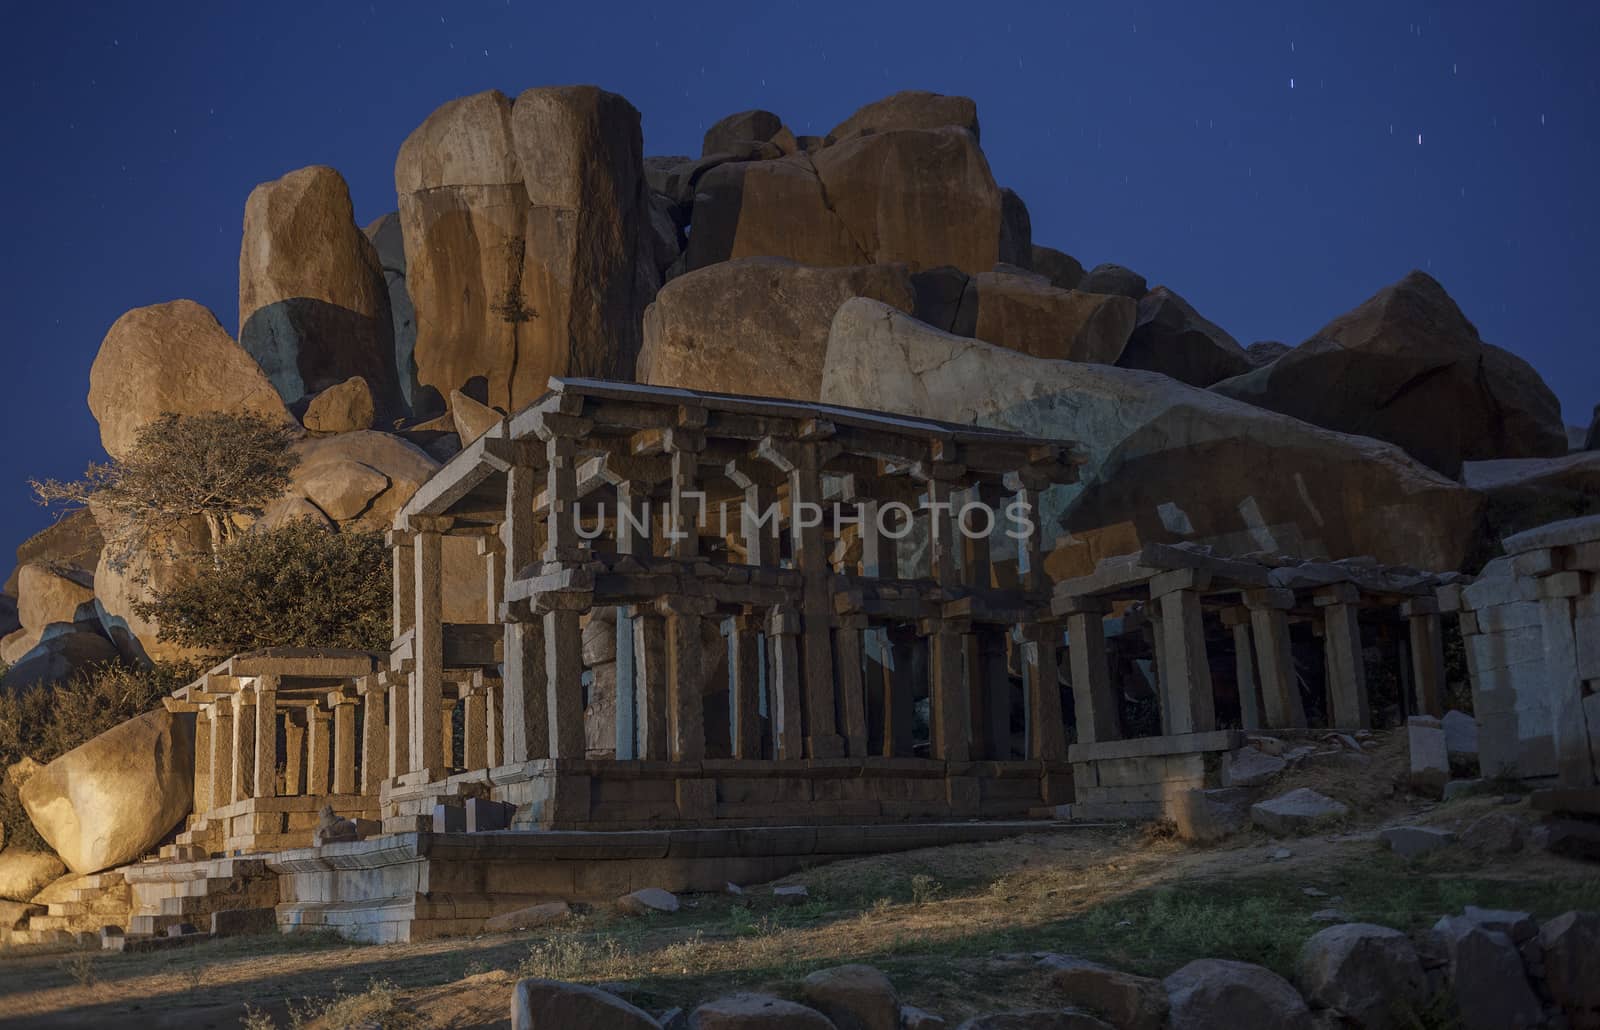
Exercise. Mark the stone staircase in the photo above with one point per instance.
(75, 912)
(166, 894)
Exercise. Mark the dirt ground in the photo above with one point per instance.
(953, 927)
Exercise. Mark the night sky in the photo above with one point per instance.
(1275, 165)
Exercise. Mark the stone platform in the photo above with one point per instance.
(412, 886)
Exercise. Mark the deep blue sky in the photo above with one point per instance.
(1163, 136)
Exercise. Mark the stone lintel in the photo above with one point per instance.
(1563, 584)
(1419, 606)
(1279, 598)
(1337, 593)
(1179, 579)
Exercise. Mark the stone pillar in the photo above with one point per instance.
(525, 731)
(221, 752)
(374, 735)
(650, 682)
(822, 739)
(563, 676)
(990, 685)
(1269, 625)
(744, 662)
(783, 679)
(686, 734)
(852, 695)
(319, 749)
(493, 553)
(266, 743)
(942, 542)
(633, 518)
(447, 736)
(561, 541)
(400, 546)
(493, 734)
(879, 553)
(975, 556)
(1094, 698)
(1244, 663)
(947, 690)
(294, 761)
(1032, 546)
(1427, 655)
(683, 532)
(202, 759)
(427, 676)
(627, 726)
(1558, 591)
(344, 743)
(475, 745)
(1347, 674)
(1188, 704)
(399, 689)
(1047, 731)
(244, 743)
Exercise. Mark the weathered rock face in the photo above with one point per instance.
(855, 997)
(910, 109)
(172, 357)
(72, 539)
(1211, 993)
(1114, 279)
(1128, 1001)
(169, 561)
(525, 227)
(1063, 270)
(1265, 352)
(25, 873)
(387, 238)
(756, 325)
(313, 302)
(1025, 313)
(1016, 230)
(742, 127)
(108, 801)
(60, 655)
(343, 408)
(1487, 979)
(52, 593)
(1299, 811)
(1171, 338)
(1370, 973)
(1270, 483)
(356, 479)
(472, 419)
(924, 197)
(1389, 369)
(756, 1012)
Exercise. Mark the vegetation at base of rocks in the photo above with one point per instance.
(47, 720)
(221, 467)
(376, 1008)
(298, 585)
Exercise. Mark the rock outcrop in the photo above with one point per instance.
(537, 1004)
(525, 225)
(1172, 338)
(345, 407)
(358, 480)
(172, 357)
(389, 240)
(24, 874)
(1024, 312)
(924, 197)
(738, 129)
(49, 594)
(1166, 462)
(909, 109)
(1370, 974)
(1063, 270)
(61, 654)
(1407, 367)
(756, 325)
(313, 302)
(110, 800)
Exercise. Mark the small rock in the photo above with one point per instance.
(1211, 993)
(1412, 841)
(1129, 1002)
(1248, 767)
(1487, 980)
(345, 407)
(855, 997)
(1279, 855)
(650, 899)
(756, 1012)
(1266, 745)
(1298, 811)
(795, 894)
(1430, 762)
(1460, 736)
(1369, 973)
(733, 890)
(1497, 833)
(529, 917)
(541, 1004)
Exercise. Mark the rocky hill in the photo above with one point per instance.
(879, 265)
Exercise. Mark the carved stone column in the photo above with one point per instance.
(650, 681)
(852, 698)
(783, 681)
(686, 735)
(475, 744)
(319, 747)
(1427, 655)
(244, 743)
(404, 609)
(344, 743)
(1244, 663)
(1347, 674)
(427, 676)
(1093, 696)
(294, 759)
(745, 665)
(1188, 701)
(398, 686)
(948, 702)
(266, 743)
(374, 734)
(1269, 624)
(1047, 732)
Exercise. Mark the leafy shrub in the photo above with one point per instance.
(299, 585)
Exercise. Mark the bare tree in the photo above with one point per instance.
(222, 467)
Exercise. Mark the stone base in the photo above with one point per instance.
(1146, 777)
(268, 824)
(414, 886)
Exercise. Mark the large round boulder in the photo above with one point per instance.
(1271, 483)
(526, 232)
(1389, 369)
(1368, 973)
(924, 197)
(24, 874)
(110, 800)
(1025, 313)
(313, 303)
(756, 325)
(176, 358)
(1209, 993)
(909, 109)
(61, 654)
(355, 479)
(556, 1005)
(50, 593)
(1172, 338)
